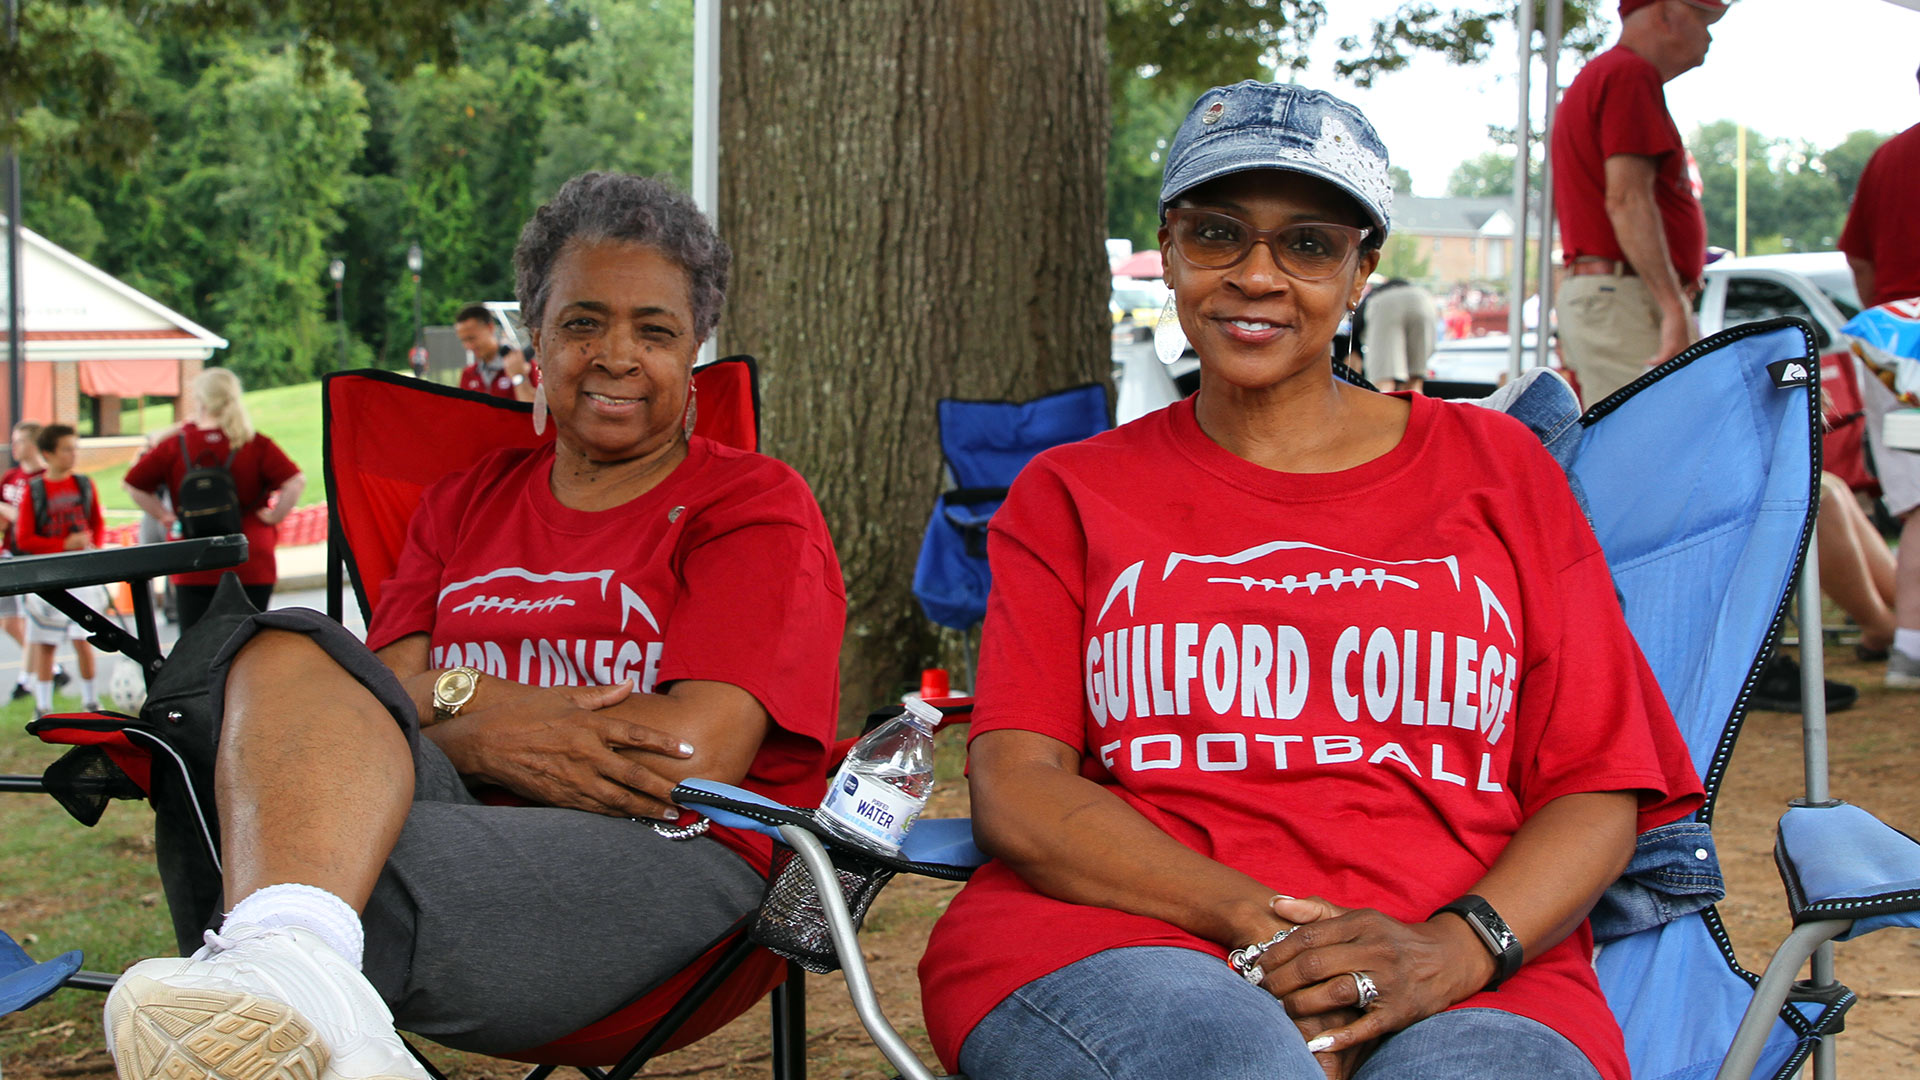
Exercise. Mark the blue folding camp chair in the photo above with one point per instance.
(1701, 479)
(985, 445)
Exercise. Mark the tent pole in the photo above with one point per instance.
(1550, 53)
(16, 302)
(706, 124)
(1522, 155)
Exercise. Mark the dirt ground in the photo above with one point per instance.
(1874, 746)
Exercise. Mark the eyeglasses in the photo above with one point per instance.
(1308, 250)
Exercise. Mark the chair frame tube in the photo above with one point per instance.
(846, 942)
(1770, 996)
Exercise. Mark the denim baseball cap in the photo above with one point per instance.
(1258, 125)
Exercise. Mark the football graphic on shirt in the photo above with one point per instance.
(549, 628)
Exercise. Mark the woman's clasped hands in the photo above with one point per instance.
(1351, 976)
(563, 746)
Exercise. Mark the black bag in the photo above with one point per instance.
(175, 729)
(209, 503)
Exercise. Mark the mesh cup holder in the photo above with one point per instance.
(791, 921)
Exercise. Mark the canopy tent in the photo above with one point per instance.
(1141, 264)
(122, 342)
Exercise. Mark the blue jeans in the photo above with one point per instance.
(1155, 1013)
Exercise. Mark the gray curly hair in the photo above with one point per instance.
(616, 206)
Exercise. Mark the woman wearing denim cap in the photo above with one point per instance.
(1294, 638)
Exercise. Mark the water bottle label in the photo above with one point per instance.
(872, 808)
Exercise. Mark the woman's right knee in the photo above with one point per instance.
(1138, 1014)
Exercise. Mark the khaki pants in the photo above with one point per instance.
(1609, 329)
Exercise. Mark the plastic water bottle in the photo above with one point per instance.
(883, 784)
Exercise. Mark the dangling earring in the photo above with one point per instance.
(540, 408)
(686, 422)
(1169, 340)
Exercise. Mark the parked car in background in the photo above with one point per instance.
(1476, 366)
(1816, 286)
(1135, 305)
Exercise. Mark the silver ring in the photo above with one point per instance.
(1364, 989)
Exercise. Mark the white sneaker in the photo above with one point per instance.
(253, 1004)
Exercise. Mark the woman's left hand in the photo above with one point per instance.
(1418, 969)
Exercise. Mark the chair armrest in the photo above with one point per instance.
(1840, 862)
(934, 847)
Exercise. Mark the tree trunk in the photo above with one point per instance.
(915, 195)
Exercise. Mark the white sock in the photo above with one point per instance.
(87, 693)
(26, 680)
(1907, 641)
(43, 695)
(310, 908)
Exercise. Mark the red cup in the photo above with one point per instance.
(934, 683)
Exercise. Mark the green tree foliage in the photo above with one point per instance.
(1405, 257)
(91, 95)
(630, 105)
(1490, 174)
(1796, 195)
(263, 155)
(1462, 34)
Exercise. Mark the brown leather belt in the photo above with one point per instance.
(1588, 264)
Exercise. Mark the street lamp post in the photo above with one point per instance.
(417, 356)
(337, 270)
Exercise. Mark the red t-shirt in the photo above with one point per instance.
(1354, 685)
(13, 491)
(1883, 228)
(724, 572)
(500, 384)
(1617, 105)
(66, 515)
(259, 468)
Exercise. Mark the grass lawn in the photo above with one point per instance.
(289, 414)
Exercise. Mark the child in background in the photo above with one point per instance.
(27, 464)
(60, 512)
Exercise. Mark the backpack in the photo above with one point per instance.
(209, 503)
(37, 505)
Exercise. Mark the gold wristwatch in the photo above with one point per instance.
(452, 690)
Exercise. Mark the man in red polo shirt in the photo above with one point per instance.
(1633, 234)
(1882, 237)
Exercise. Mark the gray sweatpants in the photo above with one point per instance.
(500, 928)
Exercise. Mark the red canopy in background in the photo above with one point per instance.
(1141, 264)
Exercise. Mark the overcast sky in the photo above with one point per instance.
(1774, 66)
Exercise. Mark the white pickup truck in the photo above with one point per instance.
(1817, 286)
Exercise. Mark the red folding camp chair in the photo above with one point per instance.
(374, 480)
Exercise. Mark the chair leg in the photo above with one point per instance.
(790, 1026)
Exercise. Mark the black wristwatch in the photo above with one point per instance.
(1493, 933)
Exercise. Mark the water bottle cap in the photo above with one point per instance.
(924, 712)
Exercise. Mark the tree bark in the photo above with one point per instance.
(915, 196)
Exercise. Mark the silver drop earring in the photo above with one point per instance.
(693, 410)
(540, 408)
(1169, 340)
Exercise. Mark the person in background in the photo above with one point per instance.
(1882, 244)
(267, 482)
(59, 512)
(27, 463)
(1634, 235)
(496, 368)
(1397, 325)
